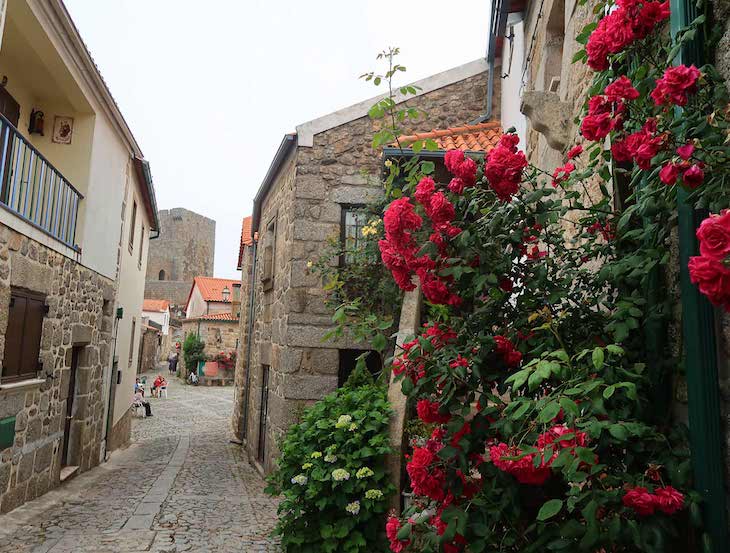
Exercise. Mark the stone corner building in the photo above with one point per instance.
(77, 207)
(184, 249)
(317, 179)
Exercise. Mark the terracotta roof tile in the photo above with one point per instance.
(481, 137)
(155, 305)
(218, 317)
(212, 288)
(246, 239)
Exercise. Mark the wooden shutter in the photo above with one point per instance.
(23, 336)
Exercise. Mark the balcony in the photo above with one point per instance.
(34, 190)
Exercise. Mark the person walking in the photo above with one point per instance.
(172, 362)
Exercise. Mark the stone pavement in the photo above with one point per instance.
(179, 487)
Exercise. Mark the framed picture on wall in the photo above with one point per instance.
(63, 129)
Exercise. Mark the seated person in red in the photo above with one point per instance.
(157, 384)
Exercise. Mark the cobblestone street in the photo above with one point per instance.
(180, 486)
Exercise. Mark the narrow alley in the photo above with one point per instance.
(180, 486)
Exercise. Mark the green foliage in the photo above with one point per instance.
(346, 433)
(193, 352)
(360, 376)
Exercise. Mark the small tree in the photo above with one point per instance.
(193, 351)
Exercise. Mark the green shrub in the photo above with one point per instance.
(193, 351)
(331, 474)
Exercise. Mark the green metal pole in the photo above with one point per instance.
(700, 344)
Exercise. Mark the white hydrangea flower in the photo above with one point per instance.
(300, 479)
(306, 466)
(316, 455)
(373, 494)
(353, 427)
(353, 508)
(343, 421)
(340, 474)
(364, 472)
(329, 458)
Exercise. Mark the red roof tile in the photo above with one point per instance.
(481, 137)
(218, 317)
(246, 239)
(155, 305)
(212, 288)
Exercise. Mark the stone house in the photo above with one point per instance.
(213, 310)
(150, 345)
(158, 312)
(77, 208)
(318, 177)
(548, 91)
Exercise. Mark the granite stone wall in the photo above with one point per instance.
(80, 315)
(243, 324)
(185, 249)
(299, 215)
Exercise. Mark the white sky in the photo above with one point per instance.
(209, 88)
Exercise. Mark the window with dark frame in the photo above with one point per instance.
(132, 224)
(352, 222)
(23, 336)
(141, 247)
(131, 340)
(267, 274)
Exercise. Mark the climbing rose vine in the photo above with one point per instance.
(531, 377)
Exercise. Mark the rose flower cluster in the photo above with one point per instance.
(632, 20)
(710, 270)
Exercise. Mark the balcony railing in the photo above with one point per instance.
(34, 189)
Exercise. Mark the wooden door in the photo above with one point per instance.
(263, 412)
(69, 406)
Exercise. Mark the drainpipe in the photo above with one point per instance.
(497, 26)
(249, 337)
(700, 341)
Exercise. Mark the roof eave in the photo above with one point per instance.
(287, 144)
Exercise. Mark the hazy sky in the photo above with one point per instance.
(209, 88)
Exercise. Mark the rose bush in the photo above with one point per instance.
(533, 372)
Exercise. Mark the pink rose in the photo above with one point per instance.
(712, 279)
(693, 176)
(685, 152)
(669, 173)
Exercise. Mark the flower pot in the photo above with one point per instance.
(210, 368)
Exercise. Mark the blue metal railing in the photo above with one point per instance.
(34, 189)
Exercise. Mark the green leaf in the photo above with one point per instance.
(597, 356)
(550, 509)
(518, 379)
(569, 406)
(550, 411)
(609, 391)
(379, 342)
(619, 432)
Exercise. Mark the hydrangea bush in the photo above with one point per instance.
(331, 475)
(534, 370)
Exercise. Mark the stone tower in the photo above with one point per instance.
(185, 249)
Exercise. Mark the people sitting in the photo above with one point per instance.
(139, 399)
(159, 382)
(138, 387)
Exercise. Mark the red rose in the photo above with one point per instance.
(596, 127)
(693, 176)
(457, 185)
(712, 278)
(669, 173)
(428, 412)
(561, 174)
(668, 500)
(621, 89)
(504, 167)
(424, 190)
(685, 152)
(640, 500)
(506, 284)
(392, 527)
(675, 86)
(461, 166)
(575, 151)
(440, 210)
(714, 236)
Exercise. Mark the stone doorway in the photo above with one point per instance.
(68, 454)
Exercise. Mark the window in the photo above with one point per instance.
(267, 275)
(354, 219)
(131, 340)
(141, 247)
(161, 276)
(132, 224)
(348, 360)
(23, 336)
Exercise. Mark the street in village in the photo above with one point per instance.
(180, 486)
